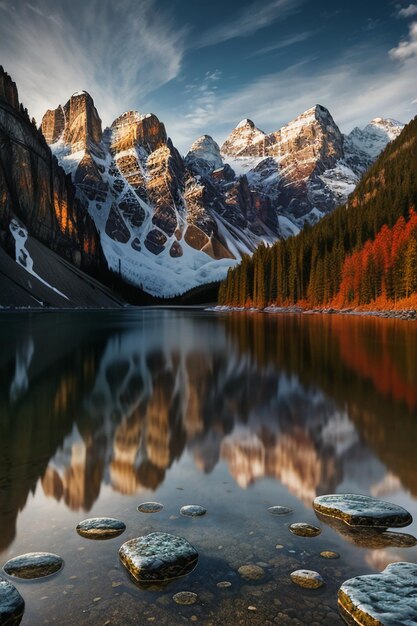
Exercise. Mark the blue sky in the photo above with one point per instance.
(202, 66)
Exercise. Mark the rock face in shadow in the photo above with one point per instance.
(35, 190)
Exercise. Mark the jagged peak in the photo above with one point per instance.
(206, 148)
(80, 93)
(246, 123)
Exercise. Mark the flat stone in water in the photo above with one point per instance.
(193, 510)
(158, 557)
(101, 528)
(251, 572)
(280, 510)
(307, 578)
(34, 565)
(386, 599)
(185, 597)
(329, 554)
(150, 507)
(12, 604)
(304, 530)
(359, 510)
(224, 584)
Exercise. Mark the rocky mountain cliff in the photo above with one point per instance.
(308, 167)
(166, 224)
(37, 202)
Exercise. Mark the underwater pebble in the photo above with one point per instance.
(251, 572)
(185, 597)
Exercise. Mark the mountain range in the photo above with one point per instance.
(123, 204)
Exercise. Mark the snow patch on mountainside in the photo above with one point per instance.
(23, 258)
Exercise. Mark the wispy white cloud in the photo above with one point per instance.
(355, 90)
(118, 51)
(257, 15)
(406, 49)
(284, 43)
(408, 11)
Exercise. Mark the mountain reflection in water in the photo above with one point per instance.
(315, 402)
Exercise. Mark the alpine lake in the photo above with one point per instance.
(101, 412)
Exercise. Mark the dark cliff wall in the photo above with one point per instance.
(36, 190)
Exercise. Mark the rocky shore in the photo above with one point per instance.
(408, 315)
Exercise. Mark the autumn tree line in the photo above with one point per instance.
(364, 252)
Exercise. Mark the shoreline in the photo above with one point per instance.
(409, 315)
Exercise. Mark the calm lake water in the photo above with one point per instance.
(237, 412)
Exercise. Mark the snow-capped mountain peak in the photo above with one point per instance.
(207, 149)
(373, 138)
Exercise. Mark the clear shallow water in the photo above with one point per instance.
(236, 412)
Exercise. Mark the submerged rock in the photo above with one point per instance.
(150, 507)
(359, 510)
(193, 510)
(386, 599)
(307, 578)
(185, 597)
(304, 530)
(280, 510)
(34, 565)
(224, 584)
(12, 604)
(329, 554)
(100, 528)
(251, 572)
(158, 557)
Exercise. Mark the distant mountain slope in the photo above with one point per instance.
(377, 225)
(308, 167)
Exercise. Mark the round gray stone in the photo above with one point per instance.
(193, 510)
(359, 510)
(280, 510)
(302, 529)
(12, 604)
(100, 528)
(34, 565)
(386, 599)
(150, 507)
(158, 557)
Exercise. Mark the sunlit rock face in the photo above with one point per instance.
(82, 122)
(36, 191)
(246, 141)
(167, 224)
(53, 124)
